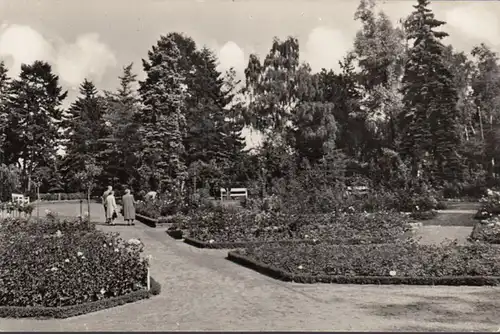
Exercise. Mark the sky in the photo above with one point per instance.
(94, 39)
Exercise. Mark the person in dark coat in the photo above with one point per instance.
(128, 207)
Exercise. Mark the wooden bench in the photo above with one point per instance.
(234, 192)
(20, 199)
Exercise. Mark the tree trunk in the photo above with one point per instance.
(481, 123)
(88, 204)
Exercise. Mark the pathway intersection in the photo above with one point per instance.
(203, 291)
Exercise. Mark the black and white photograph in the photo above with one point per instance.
(249, 165)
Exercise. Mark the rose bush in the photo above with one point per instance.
(226, 225)
(487, 231)
(490, 205)
(397, 259)
(61, 263)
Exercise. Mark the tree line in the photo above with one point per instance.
(404, 109)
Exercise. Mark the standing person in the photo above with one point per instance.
(104, 203)
(111, 208)
(128, 207)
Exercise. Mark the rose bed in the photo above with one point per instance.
(49, 266)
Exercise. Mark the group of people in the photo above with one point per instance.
(111, 209)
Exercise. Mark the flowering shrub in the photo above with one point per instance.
(12, 207)
(490, 205)
(226, 225)
(398, 259)
(487, 231)
(54, 263)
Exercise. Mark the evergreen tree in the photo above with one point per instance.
(34, 117)
(123, 143)
(85, 128)
(4, 115)
(163, 118)
(430, 133)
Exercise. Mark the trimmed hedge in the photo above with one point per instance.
(151, 222)
(75, 310)
(286, 276)
(176, 234)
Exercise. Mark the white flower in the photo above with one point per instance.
(117, 250)
(47, 212)
(67, 260)
(306, 236)
(79, 254)
(134, 241)
(392, 273)
(314, 240)
(102, 291)
(300, 267)
(53, 269)
(417, 207)
(211, 241)
(58, 234)
(105, 245)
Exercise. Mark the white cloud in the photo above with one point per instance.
(325, 47)
(87, 57)
(22, 44)
(476, 20)
(231, 55)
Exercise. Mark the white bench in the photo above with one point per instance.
(360, 190)
(234, 192)
(20, 199)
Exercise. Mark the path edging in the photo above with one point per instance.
(286, 276)
(80, 309)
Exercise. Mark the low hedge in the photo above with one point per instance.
(175, 233)
(75, 310)
(400, 263)
(151, 222)
(62, 196)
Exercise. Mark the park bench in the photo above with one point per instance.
(20, 199)
(234, 192)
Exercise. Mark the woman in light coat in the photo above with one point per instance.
(111, 208)
(128, 207)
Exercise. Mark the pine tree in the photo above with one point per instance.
(34, 118)
(430, 135)
(123, 143)
(4, 115)
(84, 130)
(163, 118)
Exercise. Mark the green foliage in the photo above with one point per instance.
(406, 259)
(85, 128)
(163, 118)
(429, 126)
(69, 267)
(230, 225)
(33, 118)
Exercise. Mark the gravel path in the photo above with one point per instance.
(203, 291)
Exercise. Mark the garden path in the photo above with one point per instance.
(203, 291)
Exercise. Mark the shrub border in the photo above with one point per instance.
(176, 234)
(286, 276)
(151, 222)
(62, 312)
